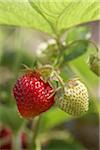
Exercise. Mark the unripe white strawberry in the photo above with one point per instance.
(75, 100)
(94, 63)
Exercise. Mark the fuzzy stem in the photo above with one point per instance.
(34, 144)
(37, 128)
(59, 78)
(60, 48)
(93, 43)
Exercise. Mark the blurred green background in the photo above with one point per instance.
(58, 130)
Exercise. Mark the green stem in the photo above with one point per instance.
(60, 48)
(59, 78)
(35, 143)
(37, 128)
(92, 42)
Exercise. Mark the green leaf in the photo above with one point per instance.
(80, 67)
(75, 49)
(78, 33)
(10, 117)
(48, 16)
(67, 144)
(53, 118)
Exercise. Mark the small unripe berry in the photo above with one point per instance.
(94, 63)
(75, 100)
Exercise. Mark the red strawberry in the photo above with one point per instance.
(24, 140)
(5, 138)
(32, 94)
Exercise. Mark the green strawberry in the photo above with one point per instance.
(94, 63)
(75, 99)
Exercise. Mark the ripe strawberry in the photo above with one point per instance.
(32, 94)
(5, 138)
(75, 99)
(24, 141)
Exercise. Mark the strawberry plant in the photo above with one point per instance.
(52, 84)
